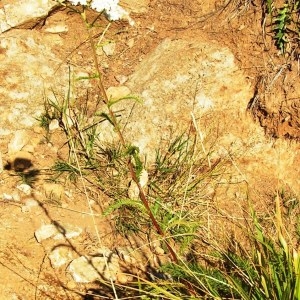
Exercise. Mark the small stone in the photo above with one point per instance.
(133, 190)
(25, 188)
(69, 232)
(109, 48)
(54, 124)
(144, 178)
(26, 14)
(25, 209)
(59, 232)
(18, 141)
(121, 78)
(117, 92)
(31, 202)
(89, 269)
(67, 118)
(103, 251)
(122, 278)
(45, 231)
(92, 202)
(57, 28)
(71, 285)
(69, 194)
(3, 23)
(130, 43)
(105, 65)
(60, 256)
(7, 197)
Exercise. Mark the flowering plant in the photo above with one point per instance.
(111, 8)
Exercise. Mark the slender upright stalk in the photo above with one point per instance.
(113, 118)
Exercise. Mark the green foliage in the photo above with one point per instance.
(270, 270)
(61, 167)
(28, 177)
(133, 152)
(284, 22)
(125, 218)
(281, 22)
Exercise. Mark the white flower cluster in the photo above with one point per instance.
(111, 8)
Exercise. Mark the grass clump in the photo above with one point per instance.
(268, 268)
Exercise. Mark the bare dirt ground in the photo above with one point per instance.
(25, 269)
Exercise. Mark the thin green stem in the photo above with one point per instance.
(113, 118)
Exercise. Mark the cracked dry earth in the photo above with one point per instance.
(269, 156)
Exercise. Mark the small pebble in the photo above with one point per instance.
(122, 278)
(54, 124)
(130, 43)
(109, 48)
(25, 188)
(121, 78)
(7, 197)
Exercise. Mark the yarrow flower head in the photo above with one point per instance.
(111, 8)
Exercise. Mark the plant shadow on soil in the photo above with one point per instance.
(23, 167)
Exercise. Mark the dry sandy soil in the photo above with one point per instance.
(25, 269)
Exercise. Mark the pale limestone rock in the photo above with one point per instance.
(21, 107)
(60, 27)
(14, 196)
(122, 278)
(144, 178)
(133, 190)
(29, 205)
(7, 197)
(60, 256)
(27, 13)
(121, 78)
(25, 188)
(45, 231)
(109, 48)
(70, 231)
(71, 285)
(3, 24)
(205, 78)
(50, 230)
(18, 141)
(54, 124)
(89, 269)
(130, 43)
